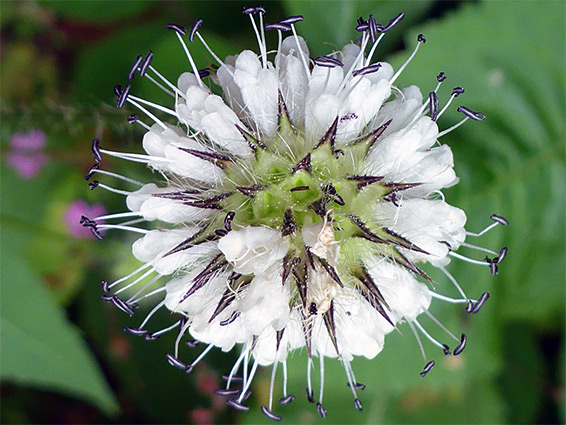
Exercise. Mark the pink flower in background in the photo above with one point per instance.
(73, 215)
(27, 156)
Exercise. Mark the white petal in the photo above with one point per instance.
(253, 249)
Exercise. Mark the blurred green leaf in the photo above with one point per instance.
(333, 22)
(513, 162)
(40, 348)
(97, 11)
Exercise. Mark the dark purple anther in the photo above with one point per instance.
(492, 266)
(502, 255)
(291, 20)
(321, 410)
(93, 184)
(193, 343)
(253, 10)
(357, 385)
(86, 222)
(232, 318)
(238, 406)
(358, 404)
(227, 392)
(433, 105)
(477, 116)
(287, 399)
(427, 368)
(298, 188)
(469, 306)
(117, 90)
(178, 28)
(235, 378)
(327, 62)
(91, 171)
(457, 91)
(446, 349)
(151, 337)
(95, 148)
(460, 346)
(134, 67)
(132, 119)
(135, 331)
(277, 26)
(228, 220)
(122, 305)
(247, 394)
(203, 73)
(362, 27)
(146, 62)
(394, 22)
(194, 29)
(220, 232)
(106, 297)
(175, 362)
(269, 414)
(367, 70)
(105, 287)
(310, 397)
(497, 219)
(421, 38)
(480, 302)
(123, 96)
(372, 25)
(189, 368)
(441, 77)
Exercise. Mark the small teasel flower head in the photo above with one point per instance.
(26, 155)
(294, 210)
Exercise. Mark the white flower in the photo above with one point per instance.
(296, 209)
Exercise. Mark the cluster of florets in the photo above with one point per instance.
(295, 209)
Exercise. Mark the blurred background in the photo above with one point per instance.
(64, 356)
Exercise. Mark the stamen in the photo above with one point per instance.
(111, 189)
(309, 381)
(95, 148)
(127, 228)
(269, 414)
(502, 255)
(433, 105)
(453, 280)
(190, 58)
(427, 368)
(498, 219)
(480, 303)
(133, 118)
(428, 336)
(477, 116)
(362, 25)
(151, 313)
(420, 41)
(448, 299)
(441, 77)
(277, 26)
(135, 331)
(468, 260)
(122, 305)
(149, 114)
(321, 362)
(321, 410)
(478, 248)
(180, 29)
(367, 70)
(134, 67)
(418, 339)
(300, 52)
(175, 362)
(227, 392)
(236, 405)
(291, 20)
(461, 346)
(216, 58)
(327, 62)
(139, 279)
(201, 356)
(166, 81)
(134, 298)
(372, 26)
(435, 320)
(154, 105)
(394, 22)
(146, 63)
(250, 11)
(94, 170)
(247, 382)
(194, 29)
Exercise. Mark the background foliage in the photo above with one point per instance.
(64, 357)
